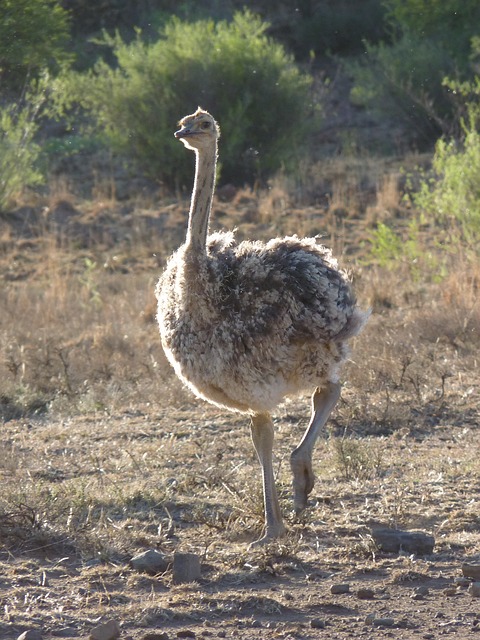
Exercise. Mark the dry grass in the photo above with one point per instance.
(104, 454)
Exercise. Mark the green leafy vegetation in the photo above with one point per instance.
(403, 82)
(231, 68)
(454, 193)
(450, 193)
(19, 153)
(404, 79)
(33, 36)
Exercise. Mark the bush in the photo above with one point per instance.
(431, 40)
(337, 27)
(19, 153)
(452, 192)
(33, 35)
(234, 70)
(449, 23)
(404, 81)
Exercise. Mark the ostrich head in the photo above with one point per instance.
(198, 131)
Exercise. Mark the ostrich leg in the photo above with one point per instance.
(262, 436)
(323, 402)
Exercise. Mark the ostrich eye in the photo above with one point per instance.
(205, 125)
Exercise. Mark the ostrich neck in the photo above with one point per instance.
(201, 203)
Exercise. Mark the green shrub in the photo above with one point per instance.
(391, 249)
(19, 153)
(234, 70)
(404, 81)
(449, 23)
(33, 35)
(453, 193)
(337, 27)
(431, 40)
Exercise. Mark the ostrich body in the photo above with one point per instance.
(245, 325)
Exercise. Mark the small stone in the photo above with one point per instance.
(156, 636)
(450, 591)
(107, 631)
(471, 570)
(257, 624)
(317, 623)
(150, 561)
(383, 622)
(419, 593)
(186, 567)
(66, 632)
(474, 589)
(365, 594)
(186, 633)
(31, 634)
(395, 540)
(339, 588)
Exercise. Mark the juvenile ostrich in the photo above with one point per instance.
(245, 325)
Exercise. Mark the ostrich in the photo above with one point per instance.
(245, 325)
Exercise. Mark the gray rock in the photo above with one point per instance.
(471, 570)
(474, 589)
(395, 540)
(151, 562)
(107, 631)
(317, 623)
(186, 567)
(31, 634)
(365, 594)
(340, 588)
(419, 593)
(383, 622)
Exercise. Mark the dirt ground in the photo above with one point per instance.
(186, 480)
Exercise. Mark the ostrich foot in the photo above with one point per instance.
(270, 535)
(303, 479)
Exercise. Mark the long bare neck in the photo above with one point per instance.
(202, 195)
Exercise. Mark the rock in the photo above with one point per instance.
(31, 634)
(365, 594)
(151, 562)
(107, 631)
(186, 633)
(66, 632)
(339, 588)
(317, 623)
(383, 622)
(395, 540)
(450, 591)
(474, 589)
(419, 593)
(186, 567)
(471, 570)
(156, 636)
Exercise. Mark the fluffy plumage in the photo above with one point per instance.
(259, 322)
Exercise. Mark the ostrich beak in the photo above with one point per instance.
(182, 133)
